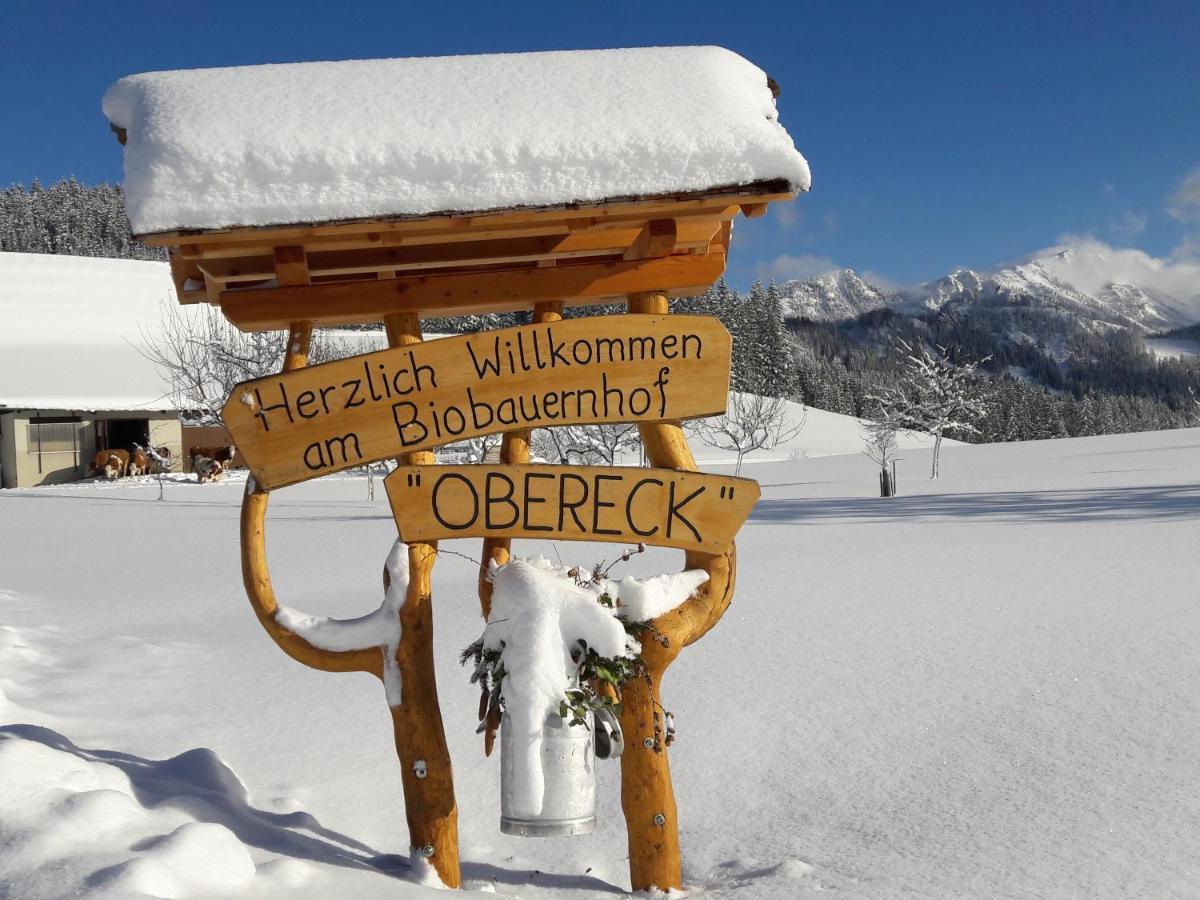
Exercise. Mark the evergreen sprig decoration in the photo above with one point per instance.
(489, 674)
(599, 679)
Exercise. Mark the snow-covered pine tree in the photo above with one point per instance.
(776, 356)
(69, 218)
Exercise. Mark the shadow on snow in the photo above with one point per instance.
(200, 784)
(1160, 503)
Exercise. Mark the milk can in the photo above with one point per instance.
(568, 771)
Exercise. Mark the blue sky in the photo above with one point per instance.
(939, 134)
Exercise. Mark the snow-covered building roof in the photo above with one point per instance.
(330, 141)
(71, 328)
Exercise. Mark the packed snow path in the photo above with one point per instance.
(985, 687)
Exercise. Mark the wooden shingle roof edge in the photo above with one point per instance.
(752, 196)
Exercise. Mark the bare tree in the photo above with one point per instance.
(751, 422)
(880, 440)
(936, 396)
(587, 444)
(478, 448)
(203, 357)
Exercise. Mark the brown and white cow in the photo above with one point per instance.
(110, 463)
(223, 455)
(139, 462)
(160, 460)
(207, 468)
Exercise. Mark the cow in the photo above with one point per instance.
(139, 462)
(223, 455)
(112, 463)
(207, 468)
(160, 459)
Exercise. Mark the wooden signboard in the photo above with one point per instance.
(631, 368)
(663, 507)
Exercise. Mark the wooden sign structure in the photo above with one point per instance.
(404, 401)
(302, 424)
(662, 507)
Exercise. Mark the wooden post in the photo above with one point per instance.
(417, 724)
(429, 802)
(647, 797)
(514, 449)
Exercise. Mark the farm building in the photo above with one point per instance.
(72, 377)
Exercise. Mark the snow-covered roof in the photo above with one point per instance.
(327, 141)
(71, 328)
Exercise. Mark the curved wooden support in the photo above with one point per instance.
(420, 736)
(647, 797)
(417, 721)
(425, 769)
(514, 450)
(257, 577)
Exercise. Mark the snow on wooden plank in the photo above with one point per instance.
(317, 142)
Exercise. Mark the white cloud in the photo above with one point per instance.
(1090, 265)
(786, 266)
(1129, 225)
(786, 214)
(1184, 204)
(1109, 188)
(1188, 249)
(882, 281)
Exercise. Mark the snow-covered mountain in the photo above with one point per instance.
(831, 297)
(1075, 280)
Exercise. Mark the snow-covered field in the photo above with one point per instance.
(986, 687)
(809, 432)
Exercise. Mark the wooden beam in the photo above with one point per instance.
(692, 232)
(725, 235)
(429, 802)
(647, 796)
(657, 238)
(649, 207)
(212, 291)
(584, 233)
(754, 210)
(609, 242)
(514, 448)
(183, 272)
(290, 266)
(262, 309)
(362, 240)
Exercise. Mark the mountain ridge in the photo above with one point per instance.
(1039, 282)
